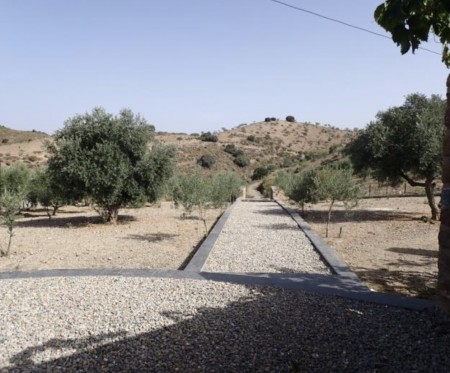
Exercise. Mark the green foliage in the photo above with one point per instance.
(191, 191)
(261, 172)
(411, 22)
(10, 203)
(252, 138)
(225, 188)
(330, 184)
(15, 179)
(231, 149)
(44, 191)
(241, 160)
(404, 142)
(5, 141)
(206, 161)
(209, 137)
(290, 118)
(105, 158)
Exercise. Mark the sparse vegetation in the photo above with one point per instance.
(208, 137)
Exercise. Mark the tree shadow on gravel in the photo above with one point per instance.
(151, 237)
(271, 331)
(279, 227)
(70, 222)
(277, 211)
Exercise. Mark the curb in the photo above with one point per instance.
(198, 260)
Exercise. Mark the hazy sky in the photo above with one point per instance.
(199, 65)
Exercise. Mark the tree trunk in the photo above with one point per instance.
(112, 214)
(429, 189)
(444, 231)
(329, 217)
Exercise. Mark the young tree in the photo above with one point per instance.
(404, 143)
(46, 192)
(192, 191)
(334, 184)
(10, 203)
(410, 23)
(105, 158)
(225, 188)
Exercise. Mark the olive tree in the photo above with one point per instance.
(106, 159)
(404, 143)
(410, 23)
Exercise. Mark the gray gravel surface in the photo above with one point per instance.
(261, 237)
(118, 324)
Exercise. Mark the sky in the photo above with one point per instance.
(202, 65)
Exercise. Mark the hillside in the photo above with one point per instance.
(278, 143)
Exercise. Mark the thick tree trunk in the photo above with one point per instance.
(444, 231)
(429, 189)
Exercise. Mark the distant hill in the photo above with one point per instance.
(278, 143)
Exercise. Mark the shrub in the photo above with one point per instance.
(209, 137)
(231, 149)
(261, 172)
(206, 161)
(225, 188)
(252, 138)
(241, 160)
(290, 118)
(273, 119)
(268, 119)
(5, 141)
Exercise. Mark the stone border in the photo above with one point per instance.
(199, 258)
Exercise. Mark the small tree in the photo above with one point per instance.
(290, 118)
(225, 188)
(105, 158)
(46, 192)
(333, 185)
(10, 203)
(192, 191)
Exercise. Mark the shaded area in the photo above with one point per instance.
(151, 237)
(414, 251)
(339, 216)
(279, 227)
(69, 222)
(405, 282)
(269, 330)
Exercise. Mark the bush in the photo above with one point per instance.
(268, 119)
(206, 161)
(261, 172)
(225, 188)
(231, 149)
(209, 137)
(5, 141)
(290, 118)
(252, 138)
(241, 160)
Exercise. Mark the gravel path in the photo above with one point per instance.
(115, 324)
(261, 237)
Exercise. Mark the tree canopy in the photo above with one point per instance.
(411, 21)
(106, 159)
(404, 143)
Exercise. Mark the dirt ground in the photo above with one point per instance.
(385, 242)
(151, 237)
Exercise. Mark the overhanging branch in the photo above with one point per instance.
(411, 181)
